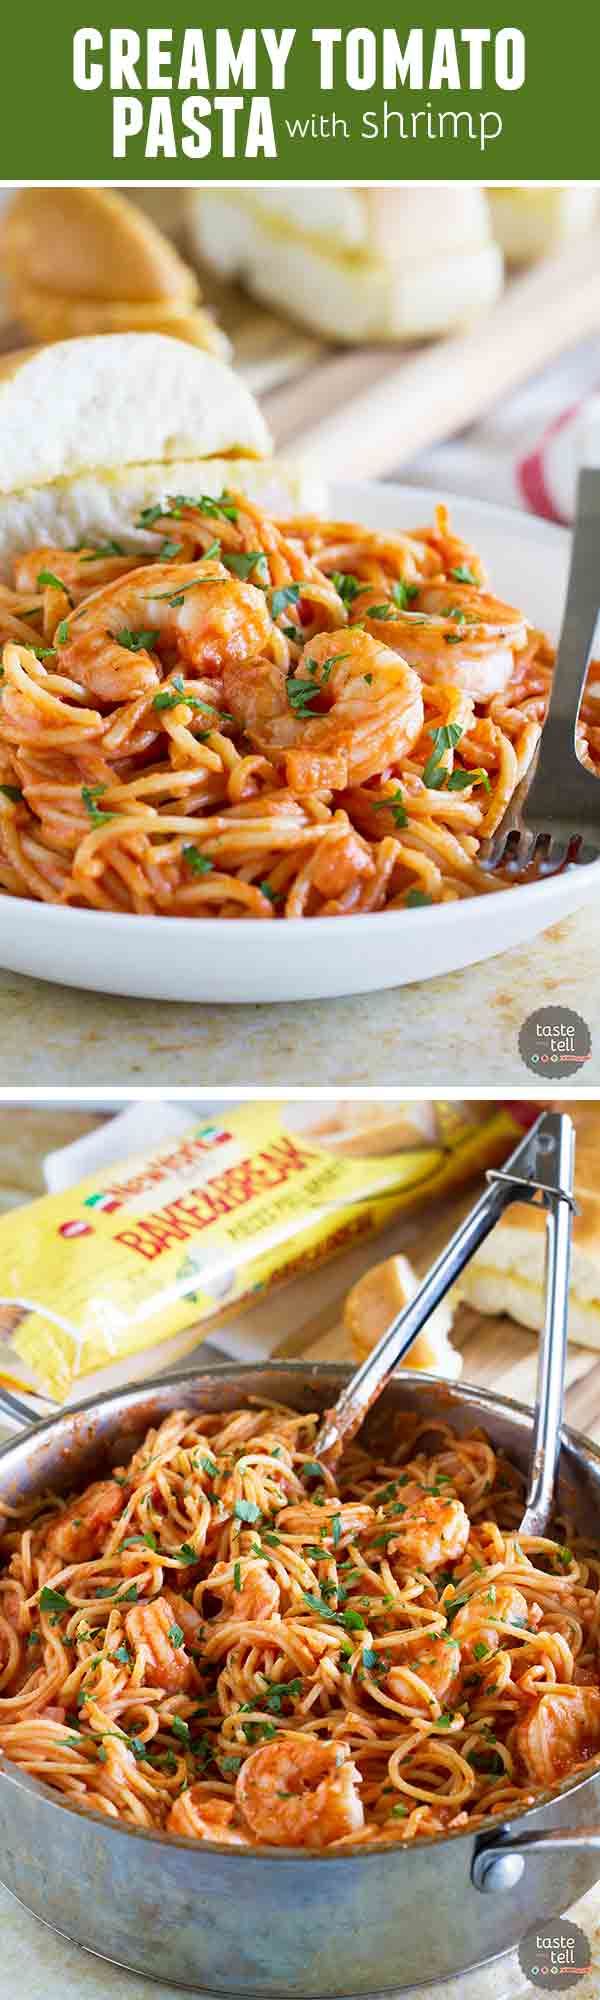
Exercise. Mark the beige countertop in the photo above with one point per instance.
(462, 1028)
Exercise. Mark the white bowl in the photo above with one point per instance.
(202, 958)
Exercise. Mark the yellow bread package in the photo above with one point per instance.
(97, 1281)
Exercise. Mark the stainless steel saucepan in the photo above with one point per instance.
(272, 1922)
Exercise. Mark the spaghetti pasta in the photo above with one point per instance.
(265, 720)
(224, 1641)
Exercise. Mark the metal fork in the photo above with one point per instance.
(554, 815)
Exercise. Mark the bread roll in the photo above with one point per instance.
(507, 1273)
(94, 430)
(54, 316)
(84, 260)
(374, 1302)
(531, 222)
(354, 263)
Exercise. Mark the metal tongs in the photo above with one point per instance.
(539, 1171)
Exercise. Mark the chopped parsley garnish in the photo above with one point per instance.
(12, 792)
(149, 515)
(180, 1728)
(325, 667)
(62, 632)
(47, 579)
(462, 574)
(246, 1510)
(169, 549)
(417, 899)
(399, 1812)
(54, 1600)
(210, 1467)
(222, 509)
(480, 1650)
(272, 895)
(295, 633)
(103, 549)
(348, 586)
(394, 803)
(176, 1635)
(403, 593)
(453, 1604)
(336, 1529)
(237, 1576)
(176, 692)
(245, 564)
(319, 1605)
(460, 780)
(300, 694)
(178, 503)
(353, 1620)
(279, 1691)
(312, 1470)
(179, 597)
(370, 1658)
(230, 1764)
(380, 611)
(187, 1554)
(123, 1656)
(255, 1732)
(288, 594)
(136, 642)
(172, 696)
(89, 794)
(197, 862)
(445, 738)
(487, 1764)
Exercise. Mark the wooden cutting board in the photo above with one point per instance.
(366, 411)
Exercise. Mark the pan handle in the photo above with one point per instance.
(19, 1412)
(498, 1864)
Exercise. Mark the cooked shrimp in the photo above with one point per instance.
(198, 1817)
(207, 616)
(80, 1531)
(254, 1594)
(429, 1660)
(472, 648)
(561, 1731)
(78, 570)
(185, 1615)
(433, 1531)
(300, 1792)
(353, 1517)
(350, 708)
(154, 1636)
(487, 1612)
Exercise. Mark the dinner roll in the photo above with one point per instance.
(507, 1273)
(531, 222)
(354, 263)
(81, 260)
(94, 430)
(376, 1299)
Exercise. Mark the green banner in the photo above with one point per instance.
(236, 92)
